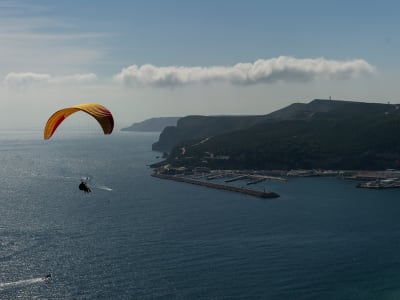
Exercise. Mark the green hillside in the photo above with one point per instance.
(324, 134)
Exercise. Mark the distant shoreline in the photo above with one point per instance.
(204, 176)
(161, 167)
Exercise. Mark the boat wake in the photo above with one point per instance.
(103, 187)
(93, 184)
(22, 282)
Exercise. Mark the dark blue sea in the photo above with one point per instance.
(139, 237)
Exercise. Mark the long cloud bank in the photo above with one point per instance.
(262, 71)
(283, 68)
(27, 79)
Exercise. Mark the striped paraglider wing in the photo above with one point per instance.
(97, 111)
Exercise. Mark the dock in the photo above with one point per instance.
(236, 178)
(256, 181)
(251, 192)
(389, 183)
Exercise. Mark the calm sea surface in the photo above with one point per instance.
(139, 237)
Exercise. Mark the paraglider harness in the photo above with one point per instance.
(84, 187)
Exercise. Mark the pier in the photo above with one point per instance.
(236, 178)
(256, 181)
(251, 192)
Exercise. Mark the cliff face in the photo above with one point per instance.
(167, 140)
(320, 134)
(194, 128)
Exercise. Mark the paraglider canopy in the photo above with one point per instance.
(97, 111)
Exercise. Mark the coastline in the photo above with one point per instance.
(371, 179)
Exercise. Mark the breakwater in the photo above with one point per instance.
(251, 192)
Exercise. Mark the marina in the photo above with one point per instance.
(236, 178)
(251, 192)
(225, 179)
(380, 184)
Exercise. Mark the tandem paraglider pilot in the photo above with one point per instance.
(97, 111)
(84, 187)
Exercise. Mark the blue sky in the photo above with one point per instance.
(173, 58)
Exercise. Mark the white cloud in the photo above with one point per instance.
(283, 68)
(27, 79)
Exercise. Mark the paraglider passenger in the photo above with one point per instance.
(84, 187)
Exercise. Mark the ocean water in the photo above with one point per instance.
(139, 237)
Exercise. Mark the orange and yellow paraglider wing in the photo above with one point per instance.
(55, 120)
(97, 111)
(100, 113)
